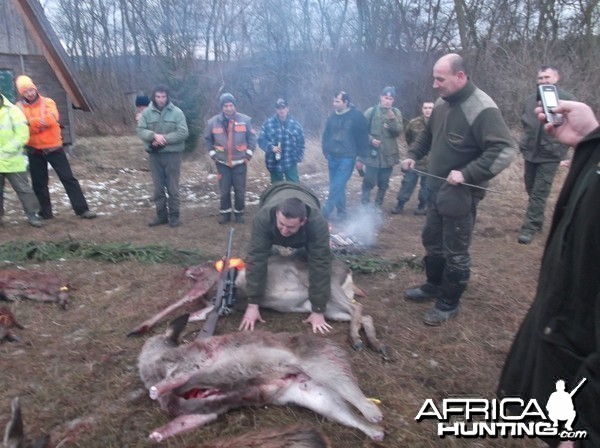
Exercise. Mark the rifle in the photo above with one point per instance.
(224, 297)
(574, 391)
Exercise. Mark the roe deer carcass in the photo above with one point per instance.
(286, 291)
(7, 322)
(40, 286)
(287, 437)
(198, 381)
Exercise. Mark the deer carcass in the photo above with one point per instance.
(286, 291)
(7, 322)
(198, 381)
(41, 286)
(288, 437)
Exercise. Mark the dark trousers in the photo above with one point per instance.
(450, 239)
(19, 183)
(165, 168)
(232, 177)
(409, 183)
(538, 179)
(379, 177)
(38, 167)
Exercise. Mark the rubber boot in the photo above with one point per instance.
(454, 284)
(434, 270)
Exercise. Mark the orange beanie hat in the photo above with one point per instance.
(24, 83)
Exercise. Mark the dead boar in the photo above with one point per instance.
(14, 436)
(287, 437)
(198, 381)
(286, 291)
(40, 286)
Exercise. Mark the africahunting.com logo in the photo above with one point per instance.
(509, 417)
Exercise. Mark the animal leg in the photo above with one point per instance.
(328, 403)
(369, 327)
(199, 289)
(165, 386)
(181, 424)
(355, 324)
(200, 314)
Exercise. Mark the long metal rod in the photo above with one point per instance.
(423, 173)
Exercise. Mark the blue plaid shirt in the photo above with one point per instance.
(289, 135)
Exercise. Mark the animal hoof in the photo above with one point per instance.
(384, 353)
(156, 437)
(153, 395)
(358, 346)
(378, 437)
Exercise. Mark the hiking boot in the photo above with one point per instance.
(398, 210)
(88, 214)
(525, 237)
(158, 221)
(34, 221)
(174, 222)
(422, 293)
(436, 317)
(421, 211)
(224, 218)
(239, 218)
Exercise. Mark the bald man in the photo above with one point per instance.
(468, 142)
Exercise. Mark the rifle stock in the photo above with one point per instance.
(208, 329)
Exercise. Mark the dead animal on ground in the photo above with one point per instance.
(40, 286)
(286, 291)
(7, 322)
(198, 381)
(14, 436)
(287, 437)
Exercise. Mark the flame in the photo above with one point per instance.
(237, 263)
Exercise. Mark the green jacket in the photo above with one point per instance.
(465, 132)
(535, 144)
(312, 236)
(14, 133)
(387, 130)
(169, 122)
(413, 130)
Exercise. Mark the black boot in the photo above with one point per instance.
(225, 218)
(399, 209)
(158, 221)
(434, 270)
(239, 218)
(174, 220)
(446, 306)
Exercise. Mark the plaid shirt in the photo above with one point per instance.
(290, 135)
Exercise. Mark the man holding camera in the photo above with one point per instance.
(385, 125)
(163, 128)
(542, 154)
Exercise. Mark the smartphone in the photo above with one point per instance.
(548, 95)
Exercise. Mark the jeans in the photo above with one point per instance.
(409, 183)
(38, 167)
(165, 168)
(538, 183)
(340, 171)
(290, 175)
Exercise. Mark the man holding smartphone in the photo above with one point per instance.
(542, 154)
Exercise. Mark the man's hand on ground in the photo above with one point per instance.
(317, 320)
(251, 315)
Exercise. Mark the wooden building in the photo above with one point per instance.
(29, 46)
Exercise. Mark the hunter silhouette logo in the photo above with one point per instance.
(509, 417)
(560, 405)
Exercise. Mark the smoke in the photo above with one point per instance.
(363, 227)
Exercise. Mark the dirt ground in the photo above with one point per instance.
(75, 370)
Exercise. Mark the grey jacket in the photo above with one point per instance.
(169, 122)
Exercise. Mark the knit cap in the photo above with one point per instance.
(24, 83)
(389, 91)
(226, 98)
(142, 101)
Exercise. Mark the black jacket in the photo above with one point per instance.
(346, 135)
(560, 336)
